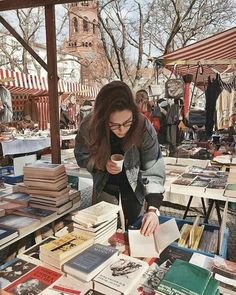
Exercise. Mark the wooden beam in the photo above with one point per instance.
(20, 4)
(22, 42)
(53, 83)
(169, 62)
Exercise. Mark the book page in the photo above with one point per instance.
(140, 245)
(152, 246)
(166, 234)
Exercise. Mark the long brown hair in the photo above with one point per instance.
(115, 96)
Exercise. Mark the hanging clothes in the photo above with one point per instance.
(6, 112)
(212, 92)
(226, 104)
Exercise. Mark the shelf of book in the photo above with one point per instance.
(42, 224)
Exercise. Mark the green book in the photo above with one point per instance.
(212, 287)
(184, 278)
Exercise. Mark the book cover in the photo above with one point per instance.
(170, 254)
(120, 241)
(59, 209)
(174, 281)
(9, 207)
(7, 234)
(120, 276)
(149, 281)
(100, 211)
(230, 190)
(152, 246)
(48, 193)
(13, 270)
(20, 198)
(40, 170)
(20, 223)
(34, 281)
(224, 267)
(66, 285)
(66, 245)
(89, 262)
(32, 254)
(42, 214)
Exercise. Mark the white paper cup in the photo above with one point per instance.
(118, 159)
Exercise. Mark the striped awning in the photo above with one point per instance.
(20, 83)
(213, 54)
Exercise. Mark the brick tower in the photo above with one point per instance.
(85, 42)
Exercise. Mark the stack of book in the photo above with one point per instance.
(58, 251)
(99, 220)
(48, 186)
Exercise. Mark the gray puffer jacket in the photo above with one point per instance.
(144, 166)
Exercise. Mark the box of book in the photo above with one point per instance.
(207, 239)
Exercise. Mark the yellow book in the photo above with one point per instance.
(185, 230)
(199, 233)
(66, 245)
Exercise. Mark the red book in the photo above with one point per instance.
(34, 281)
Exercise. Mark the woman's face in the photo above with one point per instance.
(120, 122)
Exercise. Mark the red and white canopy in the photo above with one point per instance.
(214, 53)
(18, 82)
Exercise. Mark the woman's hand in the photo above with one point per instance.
(112, 168)
(149, 223)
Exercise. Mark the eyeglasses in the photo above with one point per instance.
(126, 124)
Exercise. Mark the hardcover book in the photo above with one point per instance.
(7, 234)
(20, 223)
(152, 246)
(34, 281)
(174, 281)
(121, 276)
(13, 270)
(90, 262)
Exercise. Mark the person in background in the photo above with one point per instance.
(117, 127)
(148, 108)
(26, 123)
(65, 119)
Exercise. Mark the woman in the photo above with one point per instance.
(117, 127)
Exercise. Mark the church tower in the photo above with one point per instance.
(85, 41)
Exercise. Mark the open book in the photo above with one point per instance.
(152, 246)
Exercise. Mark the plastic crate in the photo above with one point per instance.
(8, 176)
(209, 227)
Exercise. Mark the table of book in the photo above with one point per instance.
(214, 195)
(37, 229)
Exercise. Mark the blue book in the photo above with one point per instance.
(7, 234)
(90, 262)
